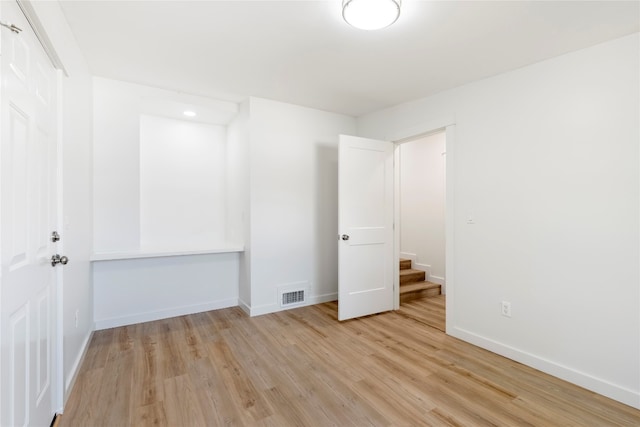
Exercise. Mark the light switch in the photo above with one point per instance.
(471, 219)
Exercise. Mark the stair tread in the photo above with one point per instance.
(417, 287)
(410, 271)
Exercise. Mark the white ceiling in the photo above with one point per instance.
(301, 51)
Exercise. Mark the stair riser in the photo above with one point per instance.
(405, 264)
(410, 296)
(418, 276)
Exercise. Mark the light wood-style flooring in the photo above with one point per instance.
(304, 368)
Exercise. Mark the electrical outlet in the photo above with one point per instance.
(505, 308)
(77, 316)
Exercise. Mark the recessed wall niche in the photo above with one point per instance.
(182, 184)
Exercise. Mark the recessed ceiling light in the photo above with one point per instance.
(370, 14)
(189, 113)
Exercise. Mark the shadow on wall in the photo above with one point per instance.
(326, 219)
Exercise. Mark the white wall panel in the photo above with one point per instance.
(138, 290)
(116, 161)
(182, 184)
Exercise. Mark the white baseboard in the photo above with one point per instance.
(244, 306)
(430, 277)
(436, 279)
(582, 379)
(409, 255)
(273, 308)
(422, 267)
(75, 368)
(164, 314)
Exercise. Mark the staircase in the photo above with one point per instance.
(413, 284)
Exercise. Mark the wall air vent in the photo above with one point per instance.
(292, 297)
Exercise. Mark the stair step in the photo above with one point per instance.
(405, 264)
(418, 290)
(410, 275)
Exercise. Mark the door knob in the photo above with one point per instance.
(345, 237)
(57, 259)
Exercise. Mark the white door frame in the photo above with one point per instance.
(446, 124)
(58, 327)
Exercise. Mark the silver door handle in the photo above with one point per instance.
(345, 237)
(57, 259)
(10, 26)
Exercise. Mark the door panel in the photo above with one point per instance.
(43, 345)
(16, 145)
(27, 197)
(42, 178)
(366, 217)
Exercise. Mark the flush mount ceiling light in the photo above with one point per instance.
(370, 14)
(189, 113)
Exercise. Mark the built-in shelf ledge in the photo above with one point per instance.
(135, 254)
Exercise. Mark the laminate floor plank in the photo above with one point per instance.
(150, 415)
(181, 404)
(428, 311)
(215, 402)
(304, 368)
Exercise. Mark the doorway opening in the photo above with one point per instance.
(420, 215)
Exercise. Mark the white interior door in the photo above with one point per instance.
(27, 216)
(365, 223)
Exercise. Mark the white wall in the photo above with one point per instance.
(294, 201)
(117, 110)
(182, 183)
(547, 159)
(422, 205)
(77, 189)
(116, 166)
(238, 204)
(140, 290)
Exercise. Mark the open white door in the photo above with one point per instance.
(365, 224)
(27, 200)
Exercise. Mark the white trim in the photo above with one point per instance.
(410, 256)
(422, 129)
(141, 253)
(437, 279)
(274, 308)
(164, 314)
(430, 277)
(448, 285)
(245, 307)
(597, 385)
(422, 267)
(58, 391)
(446, 123)
(36, 25)
(396, 226)
(75, 369)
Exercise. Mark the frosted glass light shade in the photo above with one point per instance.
(370, 14)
